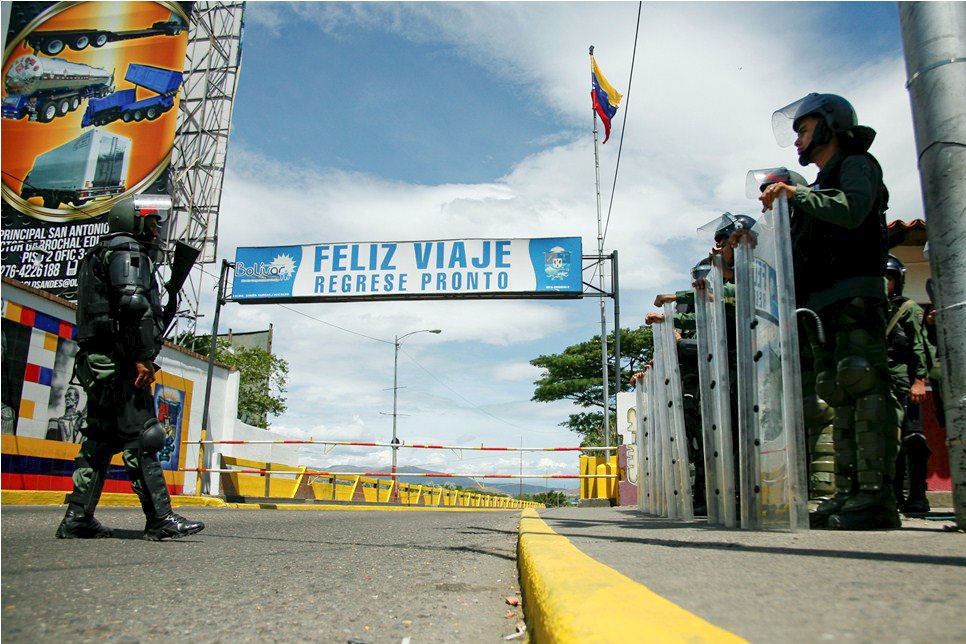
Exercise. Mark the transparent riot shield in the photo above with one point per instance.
(643, 487)
(680, 465)
(715, 378)
(664, 435)
(774, 489)
(655, 446)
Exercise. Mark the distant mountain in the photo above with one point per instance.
(511, 489)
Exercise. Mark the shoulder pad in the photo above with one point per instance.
(121, 241)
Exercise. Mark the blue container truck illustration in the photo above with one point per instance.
(46, 88)
(92, 166)
(124, 105)
(54, 42)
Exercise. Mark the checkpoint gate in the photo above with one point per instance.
(771, 429)
(715, 378)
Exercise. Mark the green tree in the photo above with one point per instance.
(552, 499)
(575, 374)
(263, 376)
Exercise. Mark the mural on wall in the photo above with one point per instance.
(45, 410)
(89, 115)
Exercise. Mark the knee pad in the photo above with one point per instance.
(828, 389)
(816, 412)
(855, 376)
(152, 437)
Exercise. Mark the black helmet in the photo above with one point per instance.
(897, 269)
(729, 223)
(701, 269)
(757, 180)
(129, 215)
(836, 117)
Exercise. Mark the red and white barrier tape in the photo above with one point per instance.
(404, 445)
(399, 474)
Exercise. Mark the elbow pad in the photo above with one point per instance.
(130, 275)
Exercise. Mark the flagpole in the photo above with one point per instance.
(600, 274)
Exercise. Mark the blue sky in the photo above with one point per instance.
(409, 121)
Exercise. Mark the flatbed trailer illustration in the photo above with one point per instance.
(92, 166)
(52, 43)
(46, 88)
(124, 105)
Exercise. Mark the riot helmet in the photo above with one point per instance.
(757, 180)
(729, 223)
(895, 268)
(836, 117)
(132, 214)
(701, 269)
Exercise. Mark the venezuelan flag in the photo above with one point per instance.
(606, 98)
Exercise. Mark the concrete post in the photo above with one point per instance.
(934, 41)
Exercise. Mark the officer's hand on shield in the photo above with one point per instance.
(664, 298)
(637, 376)
(772, 192)
(145, 373)
(651, 318)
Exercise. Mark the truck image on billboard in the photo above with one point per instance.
(89, 116)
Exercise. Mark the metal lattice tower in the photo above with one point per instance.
(211, 70)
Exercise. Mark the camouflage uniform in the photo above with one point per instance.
(909, 357)
(838, 234)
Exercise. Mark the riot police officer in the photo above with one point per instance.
(841, 239)
(120, 326)
(909, 360)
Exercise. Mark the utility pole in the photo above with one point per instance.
(934, 41)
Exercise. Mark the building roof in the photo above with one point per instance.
(907, 233)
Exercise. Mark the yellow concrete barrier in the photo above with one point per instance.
(271, 486)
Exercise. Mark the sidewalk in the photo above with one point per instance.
(649, 579)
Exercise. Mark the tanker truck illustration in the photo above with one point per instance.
(92, 166)
(53, 42)
(46, 88)
(124, 104)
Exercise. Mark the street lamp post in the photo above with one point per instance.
(395, 396)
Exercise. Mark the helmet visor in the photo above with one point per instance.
(719, 227)
(783, 120)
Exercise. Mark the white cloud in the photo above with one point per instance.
(706, 80)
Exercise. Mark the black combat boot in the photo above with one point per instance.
(171, 526)
(77, 524)
(868, 510)
(819, 517)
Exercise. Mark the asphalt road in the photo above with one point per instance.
(262, 575)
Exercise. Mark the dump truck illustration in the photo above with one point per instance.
(52, 43)
(124, 105)
(46, 88)
(92, 166)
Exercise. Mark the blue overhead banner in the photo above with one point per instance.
(440, 269)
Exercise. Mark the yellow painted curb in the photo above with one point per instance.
(567, 594)
(43, 497)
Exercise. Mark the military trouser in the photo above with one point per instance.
(118, 414)
(818, 417)
(852, 375)
(914, 452)
(691, 390)
(144, 471)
